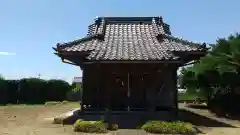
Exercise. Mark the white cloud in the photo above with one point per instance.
(7, 53)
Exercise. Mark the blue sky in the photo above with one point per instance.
(30, 28)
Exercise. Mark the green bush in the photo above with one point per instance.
(89, 126)
(76, 87)
(32, 91)
(12, 94)
(3, 92)
(163, 127)
(113, 127)
(57, 89)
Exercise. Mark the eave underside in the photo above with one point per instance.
(79, 58)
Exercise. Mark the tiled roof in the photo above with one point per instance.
(130, 38)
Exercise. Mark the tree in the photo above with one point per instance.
(3, 90)
(218, 73)
(1, 77)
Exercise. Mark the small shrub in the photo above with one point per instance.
(89, 126)
(113, 127)
(162, 127)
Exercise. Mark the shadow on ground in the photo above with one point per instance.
(233, 116)
(136, 120)
(200, 120)
(196, 106)
(221, 114)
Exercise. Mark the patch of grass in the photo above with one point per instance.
(188, 96)
(47, 104)
(162, 127)
(52, 103)
(20, 105)
(89, 126)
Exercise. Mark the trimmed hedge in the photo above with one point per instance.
(89, 126)
(162, 127)
(32, 91)
(3, 91)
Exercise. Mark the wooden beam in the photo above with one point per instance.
(83, 88)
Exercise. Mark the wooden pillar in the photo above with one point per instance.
(101, 88)
(151, 94)
(175, 89)
(98, 86)
(108, 96)
(128, 91)
(83, 88)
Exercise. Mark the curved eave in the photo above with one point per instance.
(69, 62)
(78, 41)
(73, 58)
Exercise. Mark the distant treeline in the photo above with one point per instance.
(33, 91)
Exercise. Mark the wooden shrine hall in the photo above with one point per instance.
(129, 63)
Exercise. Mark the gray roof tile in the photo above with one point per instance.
(130, 39)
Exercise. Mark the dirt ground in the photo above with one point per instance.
(31, 120)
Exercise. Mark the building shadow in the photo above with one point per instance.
(197, 106)
(130, 120)
(200, 120)
(234, 115)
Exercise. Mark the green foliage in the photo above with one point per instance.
(32, 91)
(58, 89)
(89, 126)
(3, 92)
(13, 93)
(1, 77)
(187, 79)
(162, 127)
(217, 74)
(189, 96)
(76, 87)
